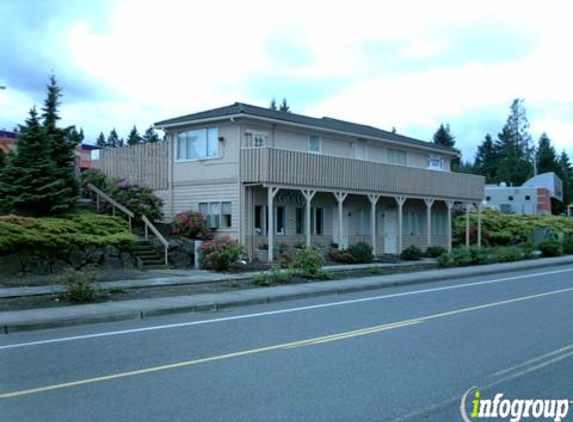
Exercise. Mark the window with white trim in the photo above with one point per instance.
(261, 220)
(412, 223)
(197, 144)
(259, 139)
(439, 223)
(397, 156)
(435, 162)
(280, 220)
(218, 215)
(362, 222)
(317, 221)
(314, 144)
(299, 220)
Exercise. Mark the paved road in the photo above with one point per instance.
(394, 354)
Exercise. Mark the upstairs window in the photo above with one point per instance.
(259, 140)
(397, 156)
(435, 162)
(197, 144)
(314, 144)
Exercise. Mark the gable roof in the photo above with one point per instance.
(328, 123)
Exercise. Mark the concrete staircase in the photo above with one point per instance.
(147, 257)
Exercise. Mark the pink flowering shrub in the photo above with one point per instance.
(190, 224)
(218, 254)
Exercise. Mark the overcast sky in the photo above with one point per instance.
(405, 64)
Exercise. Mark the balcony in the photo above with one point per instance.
(296, 168)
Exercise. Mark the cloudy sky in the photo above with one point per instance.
(405, 64)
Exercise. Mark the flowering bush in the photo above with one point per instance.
(218, 254)
(140, 200)
(190, 224)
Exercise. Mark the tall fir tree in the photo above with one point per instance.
(133, 138)
(485, 163)
(545, 156)
(444, 137)
(565, 173)
(150, 136)
(513, 148)
(273, 104)
(62, 145)
(284, 106)
(31, 183)
(113, 140)
(101, 141)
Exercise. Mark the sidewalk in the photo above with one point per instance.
(184, 277)
(144, 308)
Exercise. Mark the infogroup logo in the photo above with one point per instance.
(512, 409)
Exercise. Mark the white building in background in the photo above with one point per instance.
(534, 197)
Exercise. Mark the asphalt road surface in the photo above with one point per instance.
(394, 354)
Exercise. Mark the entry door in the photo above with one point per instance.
(391, 231)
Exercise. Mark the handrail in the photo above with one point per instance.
(112, 201)
(130, 215)
(157, 233)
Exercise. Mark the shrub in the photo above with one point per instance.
(190, 224)
(374, 270)
(261, 280)
(361, 252)
(80, 287)
(507, 254)
(478, 255)
(550, 247)
(412, 253)
(96, 178)
(282, 276)
(340, 255)
(286, 256)
(309, 261)
(461, 256)
(218, 254)
(567, 243)
(444, 259)
(435, 251)
(138, 199)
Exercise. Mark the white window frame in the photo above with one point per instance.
(259, 139)
(276, 218)
(412, 223)
(219, 218)
(435, 162)
(314, 219)
(318, 138)
(208, 133)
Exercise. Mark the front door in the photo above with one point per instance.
(391, 231)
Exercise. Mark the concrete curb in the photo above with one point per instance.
(37, 319)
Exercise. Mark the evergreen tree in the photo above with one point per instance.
(31, 183)
(2, 161)
(485, 163)
(62, 143)
(284, 106)
(113, 140)
(513, 148)
(133, 138)
(150, 136)
(565, 172)
(100, 141)
(444, 137)
(273, 105)
(545, 156)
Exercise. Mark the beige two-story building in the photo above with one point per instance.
(268, 177)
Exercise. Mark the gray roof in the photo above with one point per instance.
(320, 123)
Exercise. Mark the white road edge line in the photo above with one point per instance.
(280, 311)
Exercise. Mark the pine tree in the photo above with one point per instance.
(485, 163)
(133, 138)
(273, 104)
(565, 173)
(100, 141)
(150, 136)
(2, 160)
(31, 182)
(113, 140)
(545, 156)
(62, 144)
(284, 106)
(513, 148)
(444, 137)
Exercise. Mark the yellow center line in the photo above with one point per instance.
(306, 342)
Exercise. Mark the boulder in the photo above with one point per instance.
(180, 259)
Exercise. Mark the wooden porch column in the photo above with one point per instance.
(450, 205)
(468, 225)
(373, 200)
(271, 192)
(400, 200)
(340, 197)
(429, 202)
(479, 225)
(308, 195)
